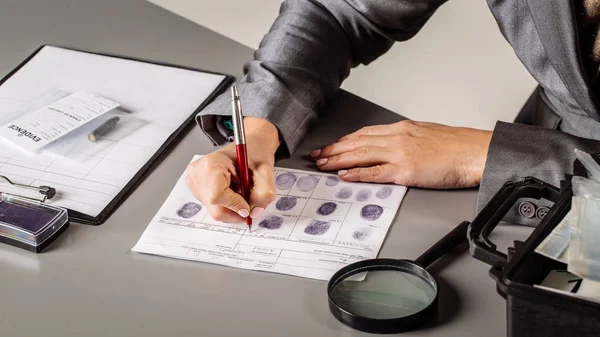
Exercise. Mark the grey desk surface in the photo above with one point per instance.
(89, 283)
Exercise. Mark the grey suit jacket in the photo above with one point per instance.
(313, 44)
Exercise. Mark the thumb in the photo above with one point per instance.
(234, 201)
(263, 190)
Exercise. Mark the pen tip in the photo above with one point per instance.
(249, 223)
(234, 92)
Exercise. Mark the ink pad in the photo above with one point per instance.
(28, 224)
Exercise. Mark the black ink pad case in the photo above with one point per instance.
(29, 224)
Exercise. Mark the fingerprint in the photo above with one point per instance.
(271, 222)
(371, 212)
(384, 192)
(332, 181)
(307, 183)
(363, 195)
(189, 209)
(361, 234)
(286, 203)
(317, 227)
(344, 193)
(285, 181)
(327, 208)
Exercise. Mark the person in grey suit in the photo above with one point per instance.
(311, 48)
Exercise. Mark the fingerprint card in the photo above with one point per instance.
(316, 225)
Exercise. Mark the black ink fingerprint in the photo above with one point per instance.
(285, 181)
(344, 193)
(384, 192)
(371, 212)
(271, 222)
(361, 234)
(286, 203)
(307, 183)
(189, 209)
(327, 208)
(363, 195)
(332, 181)
(317, 227)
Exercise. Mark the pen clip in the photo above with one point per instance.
(47, 191)
(22, 197)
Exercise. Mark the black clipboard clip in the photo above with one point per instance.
(47, 191)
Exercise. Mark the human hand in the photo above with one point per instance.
(213, 179)
(409, 153)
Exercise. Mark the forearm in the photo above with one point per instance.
(309, 51)
(298, 66)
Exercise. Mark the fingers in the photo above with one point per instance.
(363, 156)
(375, 135)
(373, 130)
(231, 200)
(223, 214)
(209, 180)
(353, 143)
(373, 174)
(263, 189)
(402, 127)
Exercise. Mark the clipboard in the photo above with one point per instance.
(158, 156)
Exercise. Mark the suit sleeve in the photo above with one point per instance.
(307, 54)
(517, 151)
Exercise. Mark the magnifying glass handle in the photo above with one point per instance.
(444, 245)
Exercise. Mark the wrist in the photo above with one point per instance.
(263, 132)
(478, 158)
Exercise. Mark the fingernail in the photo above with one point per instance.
(256, 212)
(315, 153)
(321, 161)
(342, 172)
(243, 213)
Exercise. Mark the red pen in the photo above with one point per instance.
(240, 148)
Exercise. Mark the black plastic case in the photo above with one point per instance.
(531, 311)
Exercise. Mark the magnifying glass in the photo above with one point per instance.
(389, 295)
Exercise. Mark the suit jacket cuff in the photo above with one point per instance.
(271, 102)
(517, 151)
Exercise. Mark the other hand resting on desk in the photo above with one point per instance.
(409, 153)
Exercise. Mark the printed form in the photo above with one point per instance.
(317, 225)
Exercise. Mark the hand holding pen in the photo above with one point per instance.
(215, 178)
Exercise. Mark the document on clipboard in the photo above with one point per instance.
(92, 169)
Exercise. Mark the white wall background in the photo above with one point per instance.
(458, 70)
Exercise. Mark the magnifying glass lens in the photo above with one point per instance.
(384, 294)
